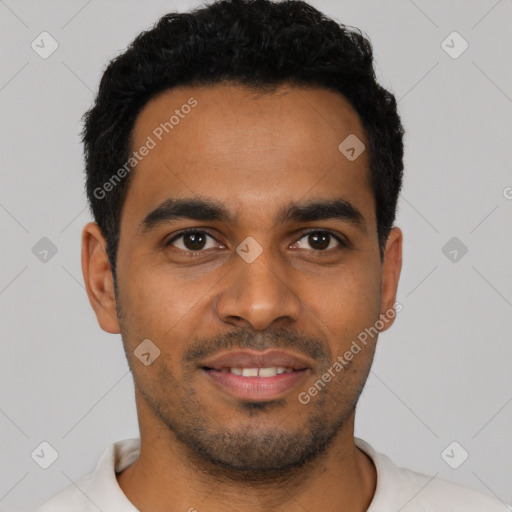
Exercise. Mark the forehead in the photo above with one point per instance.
(254, 151)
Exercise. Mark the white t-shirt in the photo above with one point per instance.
(398, 489)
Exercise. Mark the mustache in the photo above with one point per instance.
(312, 347)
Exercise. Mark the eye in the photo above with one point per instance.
(192, 240)
(321, 240)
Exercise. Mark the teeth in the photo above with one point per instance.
(259, 372)
(268, 372)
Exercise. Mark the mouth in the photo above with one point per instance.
(256, 376)
(270, 371)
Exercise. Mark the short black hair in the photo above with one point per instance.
(260, 44)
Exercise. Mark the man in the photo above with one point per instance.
(243, 168)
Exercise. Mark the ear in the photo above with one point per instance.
(391, 267)
(98, 278)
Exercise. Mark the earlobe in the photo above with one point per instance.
(98, 278)
(391, 268)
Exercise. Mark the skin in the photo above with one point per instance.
(254, 153)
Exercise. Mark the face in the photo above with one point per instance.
(279, 269)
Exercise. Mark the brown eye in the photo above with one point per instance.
(192, 240)
(320, 240)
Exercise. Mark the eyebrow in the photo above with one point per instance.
(210, 210)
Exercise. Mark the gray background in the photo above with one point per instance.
(441, 374)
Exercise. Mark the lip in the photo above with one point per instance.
(254, 359)
(256, 388)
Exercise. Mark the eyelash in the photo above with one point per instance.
(343, 243)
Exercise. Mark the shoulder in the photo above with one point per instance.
(409, 491)
(71, 498)
(99, 489)
(432, 493)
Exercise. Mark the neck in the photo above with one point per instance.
(167, 477)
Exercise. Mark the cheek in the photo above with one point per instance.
(170, 306)
(163, 307)
(345, 302)
(167, 305)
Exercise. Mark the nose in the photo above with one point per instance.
(258, 294)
